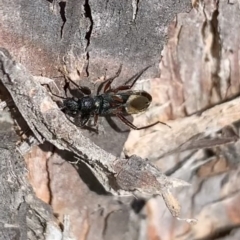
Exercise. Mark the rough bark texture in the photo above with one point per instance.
(199, 69)
(75, 172)
(81, 40)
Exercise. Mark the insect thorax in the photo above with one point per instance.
(87, 104)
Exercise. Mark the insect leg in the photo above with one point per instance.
(127, 86)
(84, 90)
(80, 120)
(84, 119)
(114, 126)
(123, 119)
(108, 82)
(55, 95)
(95, 119)
(66, 87)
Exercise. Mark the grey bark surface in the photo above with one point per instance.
(23, 216)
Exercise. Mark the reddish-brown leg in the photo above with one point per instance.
(127, 87)
(81, 121)
(109, 81)
(95, 119)
(117, 99)
(123, 119)
(84, 90)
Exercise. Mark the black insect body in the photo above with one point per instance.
(118, 101)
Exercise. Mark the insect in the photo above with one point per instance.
(119, 102)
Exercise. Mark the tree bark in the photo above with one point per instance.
(75, 180)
